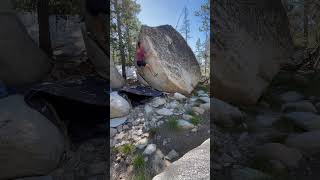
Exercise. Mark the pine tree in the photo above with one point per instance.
(185, 27)
(199, 51)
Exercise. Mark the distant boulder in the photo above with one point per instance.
(172, 58)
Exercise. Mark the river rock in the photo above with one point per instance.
(158, 101)
(185, 124)
(119, 107)
(225, 114)
(170, 57)
(246, 57)
(307, 143)
(165, 112)
(291, 96)
(195, 164)
(30, 144)
(302, 106)
(275, 151)
(179, 96)
(172, 155)
(115, 122)
(150, 149)
(305, 120)
(22, 61)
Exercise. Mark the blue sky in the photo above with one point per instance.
(161, 12)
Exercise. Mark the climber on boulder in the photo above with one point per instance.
(140, 58)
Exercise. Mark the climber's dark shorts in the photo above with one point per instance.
(141, 63)
(95, 7)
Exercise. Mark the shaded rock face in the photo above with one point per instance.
(116, 80)
(251, 41)
(21, 61)
(171, 57)
(30, 144)
(193, 165)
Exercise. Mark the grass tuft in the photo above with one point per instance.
(126, 149)
(195, 120)
(173, 123)
(138, 162)
(152, 131)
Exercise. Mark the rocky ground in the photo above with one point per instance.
(276, 139)
(157, 133)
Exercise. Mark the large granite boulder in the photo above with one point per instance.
(251, 41)
(171, 57)
(30, 144)
(193, 165)
(21, 61)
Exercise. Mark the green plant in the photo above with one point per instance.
(114, 149)
(191, 112)
(195, 120)
(141, 175)
(138, 162)
(126, 149)
(173, 123)
(152, 131)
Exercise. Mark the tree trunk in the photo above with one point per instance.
(121, 46)
(305, 23)
(44, 26)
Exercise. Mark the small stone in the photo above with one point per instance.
(150, 149)
(125, 127)
(194, 130)
(148, 109)
(142, 143)
(156, 102)
(291, 96)
(113, 132)
(205, 106)
(140, 114)
(185, 124)
(160, 123)
(165, 112)
(172, 155)
(117, 121)
(186, 116)
(205, 99)
(198, 110)
(302, 106)
(201, 93)
(146, 159)
(119, 128)
(179, 96)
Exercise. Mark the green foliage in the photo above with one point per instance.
(204, 13)
(195, 120)
(185, 27)
(140, 169)
(128, 11)
(126, 149)
(173, 123)
(138, 162)
(152, 131)
(191, 112)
